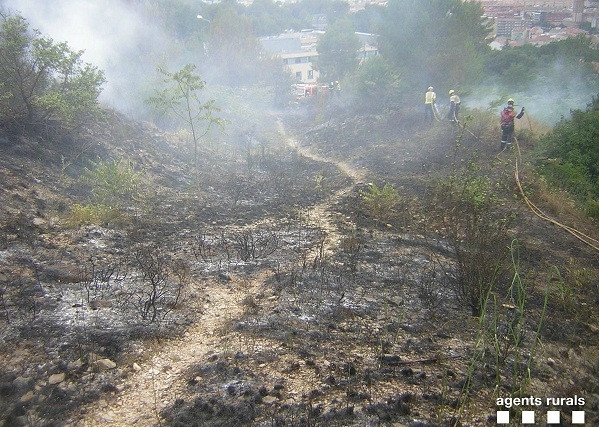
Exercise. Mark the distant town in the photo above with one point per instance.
(513, 23)
(538, 22)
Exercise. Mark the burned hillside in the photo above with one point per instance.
(305, 274)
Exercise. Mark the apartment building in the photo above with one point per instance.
(298, 51)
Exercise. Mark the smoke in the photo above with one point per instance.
(115, 36)
(556, 90)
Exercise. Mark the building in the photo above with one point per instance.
(298, 51)
(505, 26)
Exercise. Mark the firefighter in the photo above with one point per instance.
(454, 107)
(507, 123)
(429, 104)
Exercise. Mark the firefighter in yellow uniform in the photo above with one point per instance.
(429, 104)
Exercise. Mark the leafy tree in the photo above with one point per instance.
(233, 50)
(513, 67)
(181, 99)
(43, 81)
(579, 48)
(369, 19)
(573, 155)
(267, 17)
(435, 41)
(304, 10)
(377, 83)
(338, 51)
(552, 65)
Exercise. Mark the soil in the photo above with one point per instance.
(281, 298)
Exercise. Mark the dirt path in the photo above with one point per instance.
(155, 384)
(320, 215)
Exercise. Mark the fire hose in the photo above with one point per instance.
(593, 243)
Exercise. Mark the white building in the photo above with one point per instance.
(298, 51)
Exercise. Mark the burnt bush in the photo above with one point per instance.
(20, 294)
(213, 411)
(157, 285)
(463, 206)
(251, 244)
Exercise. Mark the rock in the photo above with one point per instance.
(99, 303)
(224, 276)
(390, 359)
(27, 397)
(60, 272)
(39, 222)
(136, 367)
(74, 365)
(56, 378)
(105, 364)
(269, 400)
(21, 382)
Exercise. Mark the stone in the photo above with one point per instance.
(21, 382)
(136, 367)
(39, 222)
(56, 378)
(74, 365)
(105, 364)
(99, 303)
(225, 277)
(269, 400)
(27, 397)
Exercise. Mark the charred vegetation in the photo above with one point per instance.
(356, 271)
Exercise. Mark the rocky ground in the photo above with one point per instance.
(279, 299)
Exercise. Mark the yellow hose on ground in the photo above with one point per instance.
(593, 243)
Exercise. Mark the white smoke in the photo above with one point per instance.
(549, 97)
(115, 36)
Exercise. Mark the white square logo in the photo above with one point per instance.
(553, 417)
(577, 417)
(503, 417)
(528, 417)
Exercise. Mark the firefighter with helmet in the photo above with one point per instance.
(507, 123)
(429, 104)
(454, 107)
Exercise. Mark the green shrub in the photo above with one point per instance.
(113, 183)
(380, 203)
(93, 214)
(43, 82)
(464, 208)
(592, 209)
(570, 156)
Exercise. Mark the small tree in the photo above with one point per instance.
(43, 81)
(380, 203)
(114, 183)
(377, 83)
(338, 51)
(181, 99)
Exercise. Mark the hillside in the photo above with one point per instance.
(274, 285)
